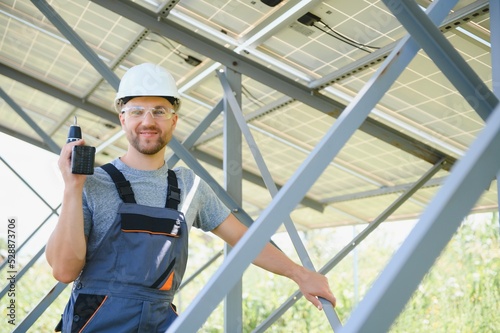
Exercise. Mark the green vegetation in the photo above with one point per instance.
(461, 293)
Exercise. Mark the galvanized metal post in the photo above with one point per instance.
(233, 169)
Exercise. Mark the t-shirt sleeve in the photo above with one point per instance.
(209, 211)
(87, 216)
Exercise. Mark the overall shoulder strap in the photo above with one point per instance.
(122, 185)
(174, 192)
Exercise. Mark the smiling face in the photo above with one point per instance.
(148, 135)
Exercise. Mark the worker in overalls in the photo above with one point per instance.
(122, 234)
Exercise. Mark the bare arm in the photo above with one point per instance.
(311, 284)
(67, 245)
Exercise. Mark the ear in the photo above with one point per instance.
(121, 116)
(174, 120)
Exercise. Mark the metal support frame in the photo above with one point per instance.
(28, 321)
(266, 175)
(407, 144)
(210, 261)
(453, 20)
(53, 210)
(190, 141)
(32, 261)
(46, 138)
(444, 55)
(253, 178)
(23, 270)
(288, 197)
(193, 164)
(58, 93)
(77, 42)
(233, 170)
(40, 308)
(351, 245)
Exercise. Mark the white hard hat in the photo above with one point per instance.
(147, 80)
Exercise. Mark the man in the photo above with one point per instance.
(122, 234)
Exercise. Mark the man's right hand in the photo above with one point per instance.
(64, 164)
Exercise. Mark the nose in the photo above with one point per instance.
(148, 117)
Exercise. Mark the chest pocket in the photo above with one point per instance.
(151, 241)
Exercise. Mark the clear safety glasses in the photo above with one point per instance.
(158, 112)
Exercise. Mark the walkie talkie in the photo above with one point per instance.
(82, 157)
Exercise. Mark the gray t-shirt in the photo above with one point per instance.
(101, 199)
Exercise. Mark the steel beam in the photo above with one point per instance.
(29, 320)
(53, 212)
(193, 164)
(23, 270)
(54, 147)
(77, 42)
(210, 261)
(253, 178)
(385, 190)
(457, 21)
(444, 55)
(233, 169)
(60, 94)
(190, 141)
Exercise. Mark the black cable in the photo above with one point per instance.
(172, 45)
(177, 53)
(186, 57)
(347, 38)
(251, 97)
(341, 39)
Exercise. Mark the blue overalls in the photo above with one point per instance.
(129, 282)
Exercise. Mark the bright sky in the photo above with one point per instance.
(39, 169)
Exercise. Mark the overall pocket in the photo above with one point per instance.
(86, 307)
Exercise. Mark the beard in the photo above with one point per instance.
(147, 146)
